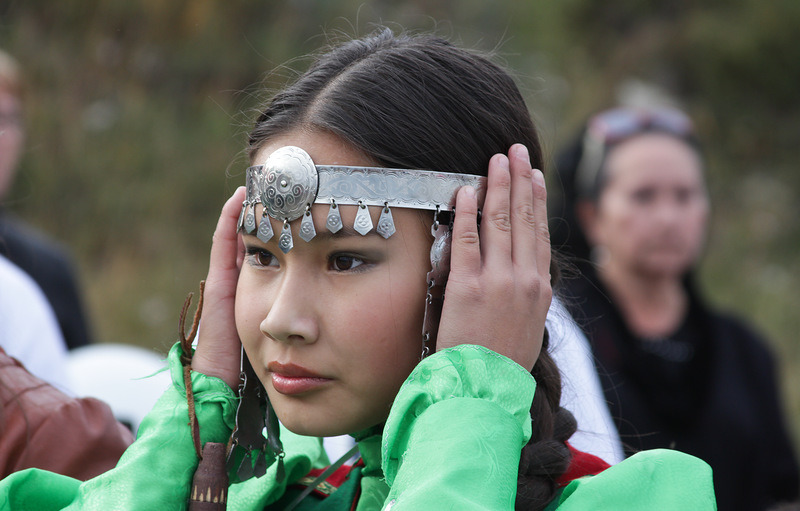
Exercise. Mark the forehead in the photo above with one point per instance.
(324, 148)
(654, 156)
(8, 100)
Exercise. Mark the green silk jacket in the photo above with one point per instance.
(452, 441)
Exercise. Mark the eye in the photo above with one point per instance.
(644, 195)
(343, 262)
(684, 195)
(260, 257)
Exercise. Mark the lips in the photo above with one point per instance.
(290, 379)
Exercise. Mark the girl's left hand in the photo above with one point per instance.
(498, 292)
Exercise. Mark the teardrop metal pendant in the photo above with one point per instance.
(334, 220)
(363, 223)
(286, 243)
(385, 222)
(240, 222)
(249, 220)
(265, 229)
(307, 231)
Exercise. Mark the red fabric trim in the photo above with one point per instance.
(336, 479)
(582, 464)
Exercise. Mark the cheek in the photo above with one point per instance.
(618, 224)
(248, 312)
(697, 226)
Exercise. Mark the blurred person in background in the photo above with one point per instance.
(675, 372)
(28, 328)
(43, 259)
(41, 426)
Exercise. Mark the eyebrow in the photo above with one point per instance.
(345, 232)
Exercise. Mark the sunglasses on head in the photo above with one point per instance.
(618, 124)
(613, 126)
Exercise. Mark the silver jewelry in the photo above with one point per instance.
(334, 220)
(385, 222)
(307, 231)
(286, 243)
(249, 218)
(288, 183)
(436, 279)
(265, 230)
(363, 222)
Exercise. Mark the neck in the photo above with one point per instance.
(652, 306)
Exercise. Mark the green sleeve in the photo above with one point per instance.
(655, 479)
(455, 431)
(156, 471)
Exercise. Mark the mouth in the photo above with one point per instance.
(290, 379)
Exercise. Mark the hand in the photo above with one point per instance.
(219, 348)
(498, 292)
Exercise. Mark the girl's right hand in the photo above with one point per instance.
(219, 348)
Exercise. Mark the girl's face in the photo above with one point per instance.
(334, 327)
(652, 213)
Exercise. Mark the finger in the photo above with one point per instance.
(465, 252)
(543, 249)
(225, 245)
(495, 219)
(523, 220)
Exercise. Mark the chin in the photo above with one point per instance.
(323, 427)
(313, 430)
(313, 425)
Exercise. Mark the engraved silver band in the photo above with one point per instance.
(345, 185)
(288, 183)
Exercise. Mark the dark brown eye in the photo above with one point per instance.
(264, 258)
(260, 257)
(644, 195)
(345, 262)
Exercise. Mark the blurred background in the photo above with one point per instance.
(137, 114)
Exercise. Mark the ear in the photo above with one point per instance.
(586, 212)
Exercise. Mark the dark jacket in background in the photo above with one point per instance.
(49, 265)
(709, 391)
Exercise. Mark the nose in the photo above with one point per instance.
(669, 213)
(292, 315)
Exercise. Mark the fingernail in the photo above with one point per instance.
(470, 191)
(538, 177)
(522, 152)
(502, 160)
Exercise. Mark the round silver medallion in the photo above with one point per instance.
(290, 183)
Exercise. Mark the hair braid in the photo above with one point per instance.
(546, 455)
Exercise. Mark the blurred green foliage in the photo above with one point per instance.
(138, 111)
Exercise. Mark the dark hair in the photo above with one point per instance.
(420, 102)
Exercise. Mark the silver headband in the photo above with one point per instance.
(288, 183)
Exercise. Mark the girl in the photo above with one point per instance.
(334, 296)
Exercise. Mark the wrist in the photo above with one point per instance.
(217, 365)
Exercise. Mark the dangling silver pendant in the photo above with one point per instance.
(249, 220)
(285, 242)
(385, 222)
(307, 231)
(265, 229)
(240, 222)
(334, 221)
(363, 223)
